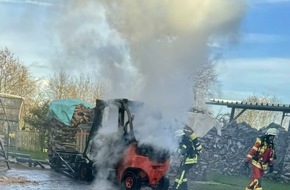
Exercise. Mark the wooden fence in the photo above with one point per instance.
(29, 140)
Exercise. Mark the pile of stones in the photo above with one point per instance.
(225, 154)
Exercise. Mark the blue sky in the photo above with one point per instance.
(260, 63)
(257, 63)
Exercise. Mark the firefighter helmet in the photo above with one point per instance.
(187, 130)
(272, 131)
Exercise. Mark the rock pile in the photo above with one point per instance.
(225, 154)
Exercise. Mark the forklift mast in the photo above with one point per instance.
(125, 119)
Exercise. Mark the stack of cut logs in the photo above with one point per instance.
(63, 137)
(225, 154)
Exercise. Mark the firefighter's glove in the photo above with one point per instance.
(271, 168)
(246, 165)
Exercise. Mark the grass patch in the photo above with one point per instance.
(38, 155)
(221, 182)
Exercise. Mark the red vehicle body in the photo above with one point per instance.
(137, 169)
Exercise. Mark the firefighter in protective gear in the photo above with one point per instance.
(261, 156)
(189, 149)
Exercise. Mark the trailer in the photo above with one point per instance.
(69, 127)
(138, 165)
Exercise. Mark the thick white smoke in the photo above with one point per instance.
(108, 150)
(146, 50)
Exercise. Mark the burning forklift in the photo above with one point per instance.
(128, 163)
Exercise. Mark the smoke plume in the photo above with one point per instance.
(145, 50)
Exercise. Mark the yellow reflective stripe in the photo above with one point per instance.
(249, 156)
(255, 148)
(253, 183)
(191, 160)
(192, 136)
(183, 146)
(259, 165)
(179, 181)
(199, 147)
(184, 180)
(258, 140)
(263, 148)
(182, 176)
(256, 186)
(256, 164)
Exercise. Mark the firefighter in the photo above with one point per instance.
(189, 148)
(261, 156)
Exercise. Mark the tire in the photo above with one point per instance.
(85, 172)
(163, 184)
(130, 182)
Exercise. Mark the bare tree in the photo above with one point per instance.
(89, 90)
(15, 78)
(64, 85)
(58, 85)
(259, 119)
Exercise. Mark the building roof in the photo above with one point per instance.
(10, 107)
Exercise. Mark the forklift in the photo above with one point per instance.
(138, 165)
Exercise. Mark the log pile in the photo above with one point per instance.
(225, 154)
(63, 137)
